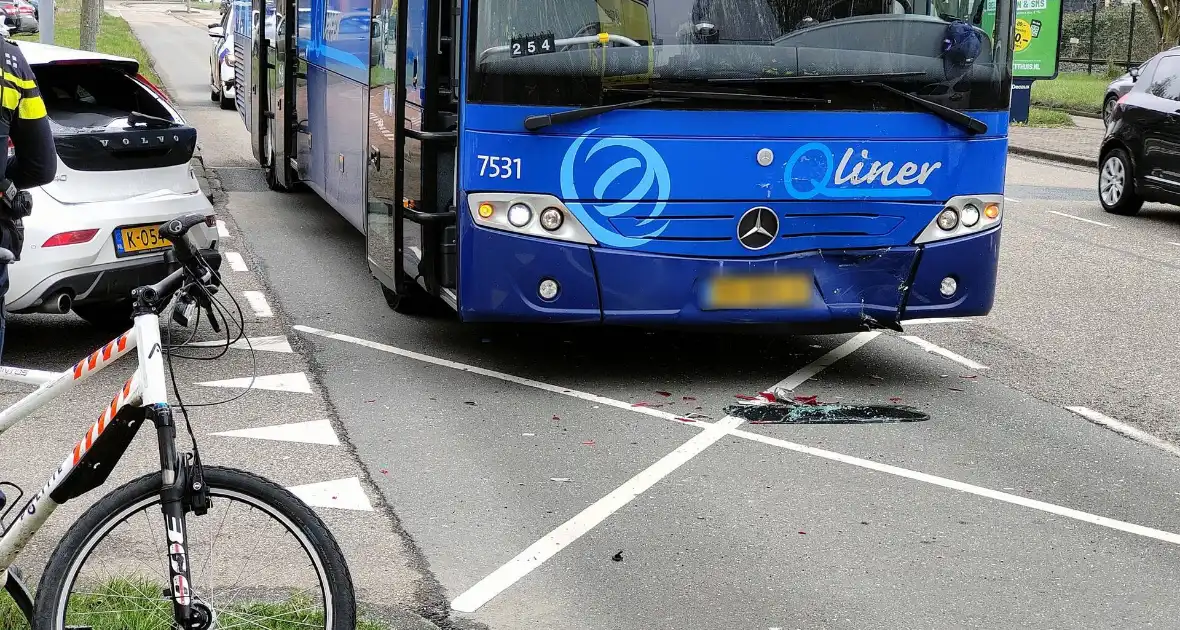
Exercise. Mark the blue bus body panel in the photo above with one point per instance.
(662, 191)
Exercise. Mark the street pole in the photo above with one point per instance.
(45, 21)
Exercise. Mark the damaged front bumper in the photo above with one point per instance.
(851, 290)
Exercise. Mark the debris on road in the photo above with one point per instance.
(561, 479)
(794, 412)
(588, 443)
(618, 557)
(664, 394)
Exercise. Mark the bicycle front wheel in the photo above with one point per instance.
(259, 558)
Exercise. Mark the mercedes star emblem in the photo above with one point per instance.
(757, 228)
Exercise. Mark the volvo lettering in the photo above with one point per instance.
(824, 165)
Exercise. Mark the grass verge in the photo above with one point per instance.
(1040, 117)
(106, 608)
(1076, 91)
(114, 36)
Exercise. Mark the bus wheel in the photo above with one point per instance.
(414, 301)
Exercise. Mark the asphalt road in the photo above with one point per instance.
(528, 491)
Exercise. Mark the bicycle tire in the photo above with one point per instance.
(125, 499)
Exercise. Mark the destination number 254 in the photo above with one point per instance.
(502, 167)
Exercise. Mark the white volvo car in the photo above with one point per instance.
(123, 169)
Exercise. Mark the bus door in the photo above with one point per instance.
(410, 231)
(278, 116)
(257, 99)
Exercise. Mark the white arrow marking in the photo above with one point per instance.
(314, 432)
(343, 494)
(292, 382)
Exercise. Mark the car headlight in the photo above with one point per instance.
(963, 215)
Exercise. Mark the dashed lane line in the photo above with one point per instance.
(1077, 218)
(258, 303)
(236, 262)
(939, 350)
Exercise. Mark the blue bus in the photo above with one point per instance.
(827, 165)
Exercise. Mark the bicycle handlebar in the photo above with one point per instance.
(175, 231)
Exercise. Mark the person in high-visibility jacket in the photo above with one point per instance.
(24, 126)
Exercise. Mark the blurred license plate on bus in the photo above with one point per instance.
(139, 239)
(749, 292)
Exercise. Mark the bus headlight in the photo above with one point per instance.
(519, 215)
(515, 212)
(970, 215)
(961, 216)
(948, 219)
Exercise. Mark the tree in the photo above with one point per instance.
(90, 17)
(1164, 17)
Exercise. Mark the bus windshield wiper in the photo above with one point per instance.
(953, 116)
(540, 121)
(533, 123)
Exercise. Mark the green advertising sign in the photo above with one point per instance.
(1037, 38)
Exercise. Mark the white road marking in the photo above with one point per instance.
(1125, 429)
(935, 320)
(314, 432)
(274, 343)
(1171, 243)
(1130, 528)
(560, 538)
(222, 231)
(236, 262)
(342, 494)
(1011, 199)
(939, 350)
(462, 367)
(1070, 216)
(817, 366)
(951, 484)
(295, 382)
(258, 303)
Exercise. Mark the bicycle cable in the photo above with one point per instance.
(215, 307)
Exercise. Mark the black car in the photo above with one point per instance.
(1140, 155)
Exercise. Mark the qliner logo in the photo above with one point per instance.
(609, 166)
(812, 171)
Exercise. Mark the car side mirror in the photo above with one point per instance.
(1134, 72)
(216, 32)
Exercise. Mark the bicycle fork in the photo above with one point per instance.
(182, 490)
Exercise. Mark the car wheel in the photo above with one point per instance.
(1108, 109)
(1116, 184)
(226, 103)
(110, 316)
(214, 93)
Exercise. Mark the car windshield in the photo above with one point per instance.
(565, 52)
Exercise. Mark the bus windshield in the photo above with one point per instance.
(594, 52)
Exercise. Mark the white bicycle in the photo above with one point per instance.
(101, 576)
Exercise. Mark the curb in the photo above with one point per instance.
(1064, 158)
